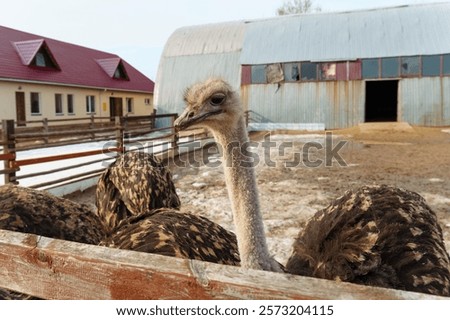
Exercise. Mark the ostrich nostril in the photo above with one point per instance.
(191, 114)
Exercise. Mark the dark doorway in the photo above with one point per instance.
(381, 100)
(115, 108)
(20, 109)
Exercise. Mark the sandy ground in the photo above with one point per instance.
(292, 189)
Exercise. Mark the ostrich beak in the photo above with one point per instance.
(189, 118)
(182, 122)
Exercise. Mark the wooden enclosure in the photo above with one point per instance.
(119, 136)
(56, 269)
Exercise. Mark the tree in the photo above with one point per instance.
(297, 7)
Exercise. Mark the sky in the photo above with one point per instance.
(137, 30)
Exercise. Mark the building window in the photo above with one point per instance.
(70, 109)
(35, 98)
(431, 66)
(328, 71)
(58, 104)
(308, 71)
(370, 69)
(291, 72)
(390, 67)
(120, 72)
(274, 73)
(446, 64)
(90, 104)
(43, 59)
(410, 66)
(259, 74)
(147, 102)
(130, 105)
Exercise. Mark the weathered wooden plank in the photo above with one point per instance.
(55, 269)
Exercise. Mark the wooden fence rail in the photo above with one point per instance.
(56, 269)
(135, 132)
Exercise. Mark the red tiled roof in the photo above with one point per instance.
(78, 66)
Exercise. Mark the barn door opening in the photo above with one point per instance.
(381, 101)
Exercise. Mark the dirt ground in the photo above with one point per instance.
(292, 189)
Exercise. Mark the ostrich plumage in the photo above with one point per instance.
(137, 198)
(135, 183)
(377, 235)
(381, 236)
(179, 234)
(41, 213)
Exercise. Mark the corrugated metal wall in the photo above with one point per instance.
(425, 101)
(182, 72)
(337, 104)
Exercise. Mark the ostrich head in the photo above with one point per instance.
(212, 104)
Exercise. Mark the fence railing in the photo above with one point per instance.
(114, 137)
(57, 269)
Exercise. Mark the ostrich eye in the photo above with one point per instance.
(217, 99)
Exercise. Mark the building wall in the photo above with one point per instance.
(335, 104)
(425, 101)
(179, 73)
(142, 103)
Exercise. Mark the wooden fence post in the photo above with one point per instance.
(119, 134)
(45, 129)
(153, 119)
(92, 126)
(175, 135)
(9, 148)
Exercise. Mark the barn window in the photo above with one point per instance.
(274, 73)
(259, 74)
(431, 66)
(446, 64)
(370, 69)
(390, 67)
(308, 71)
(410, 66)
(328, 71)
(291, 72)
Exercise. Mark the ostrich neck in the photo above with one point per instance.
(243, 193)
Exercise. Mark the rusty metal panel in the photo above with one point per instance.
(246, 75)
(349, 70)
(425, 101)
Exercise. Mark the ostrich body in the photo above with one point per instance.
(377, 235)
(41, 213)
(135, 183)
(137, 198)
(173, 233)
(360, 235)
